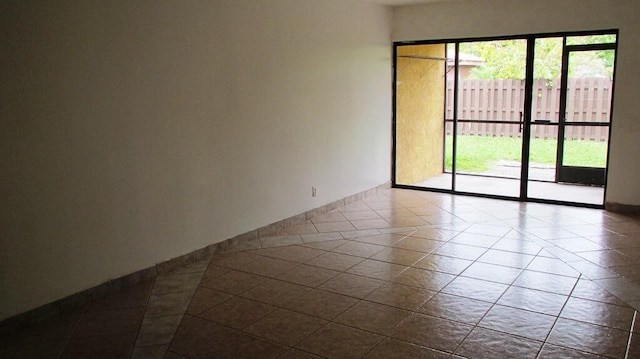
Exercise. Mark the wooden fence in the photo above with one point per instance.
(503, 100)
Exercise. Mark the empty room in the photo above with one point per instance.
(319, 179)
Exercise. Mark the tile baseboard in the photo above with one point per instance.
(622, 208)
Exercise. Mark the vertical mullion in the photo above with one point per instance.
(456, 83)
(393, 119)
(526, 130)
(564, 83)
(444, 113)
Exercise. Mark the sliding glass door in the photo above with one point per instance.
(489, 117)
(577, 135)
(523, 117)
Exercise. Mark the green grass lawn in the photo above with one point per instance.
(476, 153)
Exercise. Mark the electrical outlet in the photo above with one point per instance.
(313, 192)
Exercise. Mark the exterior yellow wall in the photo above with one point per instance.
(419, 112)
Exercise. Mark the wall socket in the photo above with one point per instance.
(313, 192)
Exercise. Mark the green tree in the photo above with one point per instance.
(506, 59)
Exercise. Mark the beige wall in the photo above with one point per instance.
(475, 18)
(137, 131)
(419, 112)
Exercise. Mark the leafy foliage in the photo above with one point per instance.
(506, 59)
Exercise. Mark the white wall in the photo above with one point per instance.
(132, 132)
(477, 18)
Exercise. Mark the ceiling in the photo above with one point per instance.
(401, 2)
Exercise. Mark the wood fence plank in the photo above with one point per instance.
(587, 100)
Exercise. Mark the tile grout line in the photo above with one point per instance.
(279, 307)
(544, 341)
(439, 291)
(68, 340)
(261, 247)
(387, 281)
(146, 306)
(83, 313)
(411, 312)
(477, 325)
(183, 314)
(359, 299)
(633, 323)
(558, 317)
(197, 316)
(476, 261)
(594, 280)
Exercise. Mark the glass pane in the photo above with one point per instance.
(490, 104)
(591, 39)
(545, 118)
(565, 192)
(542, 172)
(546, 85)
(420, 91)
(448, 153)
(489, 164)
(489, 155)
(585, 146)
(591, 64)
(589, 86)
(543, 153)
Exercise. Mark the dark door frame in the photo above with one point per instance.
(577, 174)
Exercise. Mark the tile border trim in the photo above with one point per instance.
(248, 240)
(622, 208)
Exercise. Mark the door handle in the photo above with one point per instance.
(521, 122)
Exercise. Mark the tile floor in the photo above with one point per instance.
(403, 274)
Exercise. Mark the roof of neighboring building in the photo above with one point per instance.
(464, 59)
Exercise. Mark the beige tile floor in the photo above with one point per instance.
(404, 274)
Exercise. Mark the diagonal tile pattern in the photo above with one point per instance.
(400, 274)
